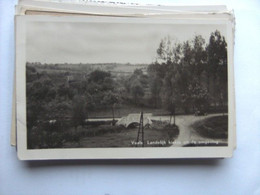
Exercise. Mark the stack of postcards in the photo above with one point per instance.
(96, 80)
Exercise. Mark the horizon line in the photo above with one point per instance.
(88, 63)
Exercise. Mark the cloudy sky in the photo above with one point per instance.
(61, 42)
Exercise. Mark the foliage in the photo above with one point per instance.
(98, 76)
(78, 111)
(135, 86)
(189, 75)
(214, 127)
(184, 77)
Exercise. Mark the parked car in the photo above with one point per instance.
(200, 113)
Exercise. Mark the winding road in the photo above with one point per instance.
(187, 134)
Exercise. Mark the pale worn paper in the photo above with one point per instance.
(96, 153)
(30, 7)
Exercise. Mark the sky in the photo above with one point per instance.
(88, 42)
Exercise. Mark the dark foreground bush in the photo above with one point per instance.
(42, 138)
(173, 130)
(159, 125)
(91, 131)
(214, 127)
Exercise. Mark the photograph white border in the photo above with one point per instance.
(118, 153)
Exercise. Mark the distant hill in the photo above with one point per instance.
(113, 68)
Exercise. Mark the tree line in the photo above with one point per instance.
(190, 75)
(185, 77)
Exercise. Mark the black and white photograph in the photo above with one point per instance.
(129, 97)
(125, 83)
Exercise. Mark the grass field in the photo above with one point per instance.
(115, 136)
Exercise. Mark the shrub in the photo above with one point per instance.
(172, 130)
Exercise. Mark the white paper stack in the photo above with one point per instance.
(110, 80)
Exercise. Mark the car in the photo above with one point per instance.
(200, 113)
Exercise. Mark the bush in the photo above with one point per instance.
(213, 127)
(172, 130)
(103, 129)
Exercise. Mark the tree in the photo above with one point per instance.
(110, 99)
(217, 67)
(90, 104)
(156, 74)
(98, 76)
(155, 87)
(187, 54)
(199, 55)
(78, 111)
(137, 91)
(165, 75)
(198, 95)
(163, 50)
(108, 84)
(136, 85)
(171, 90)
(169, 52)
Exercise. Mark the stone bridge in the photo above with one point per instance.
(135, 118)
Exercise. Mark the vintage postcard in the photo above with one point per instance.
(124, 87)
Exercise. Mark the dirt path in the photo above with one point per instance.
(125, 138)
(187, 134)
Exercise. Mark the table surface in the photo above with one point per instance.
(238, 175)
